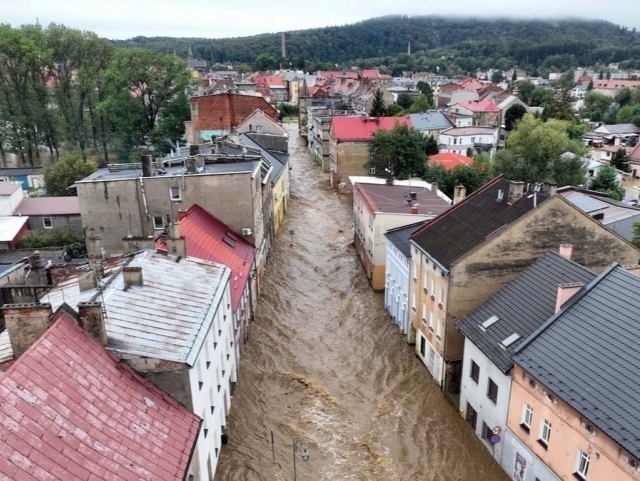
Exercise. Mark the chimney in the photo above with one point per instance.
(389, 181)
(191, 165)
(135, 243)
(550, 188)
(414, 209)
(25, 323)
(413, 195)
(176, 244)
(516, 190)
(434, 187)
(91, 319)
(87, 281)
(194, 150)
(34, 260)
(459, 193)
(159, 163)
(565, 250)
(146, 161)
(566, 292)
(97, 266)
(132, 276)
(182, 213)
(94, 246)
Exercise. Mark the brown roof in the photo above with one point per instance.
(634, 156)
(48, 206)
(224, 111)
(390, 199)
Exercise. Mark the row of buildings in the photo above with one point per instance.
(519, 300)
(149, 330)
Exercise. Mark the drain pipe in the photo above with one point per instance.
(144, 199)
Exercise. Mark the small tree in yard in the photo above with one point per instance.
(606, 181)
(635, 240)
(378, 108)
(61, 237)
(620, 161)
(404, 101)
(513, 115)
(62, 174)
(402, 151)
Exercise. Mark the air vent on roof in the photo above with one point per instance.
(490, 322)
(500, 195)
(510, 340)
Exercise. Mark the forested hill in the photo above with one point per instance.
(473, 43)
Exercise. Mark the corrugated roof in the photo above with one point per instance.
(588, 355)
(71, 411)
(209, 239)
(359, 128)
(401, 237)
(11, 226)
(479, 106)
(469, 223)
(8, 188)
(6, 351)
(164, 319)
(621, 128)
(20, 171)
(430, 121)
(48, 206)
(521, 307)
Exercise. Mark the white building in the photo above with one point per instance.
(398, 270)
(169, 319)
(494, 330)
(378, 207)
(459, 139)
(10, 196)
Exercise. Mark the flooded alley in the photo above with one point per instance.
(325, 363)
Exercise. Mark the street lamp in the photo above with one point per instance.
(304, 455)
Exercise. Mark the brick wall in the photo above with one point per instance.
(223, 111)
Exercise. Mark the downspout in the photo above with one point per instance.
(144, 201)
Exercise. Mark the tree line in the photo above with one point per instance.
(63, 89)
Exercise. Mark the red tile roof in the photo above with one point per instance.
(48, 206)
(449, 160)
(361, 129)
(70, 410)
(211, 240)
(615, 84)
(480, 106)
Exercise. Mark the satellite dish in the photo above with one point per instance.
(67, 258)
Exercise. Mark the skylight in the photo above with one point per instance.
(490, 322)
(511, 339)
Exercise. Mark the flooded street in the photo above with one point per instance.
(325, 363)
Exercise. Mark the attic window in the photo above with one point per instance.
(490, 322)
(510, 340)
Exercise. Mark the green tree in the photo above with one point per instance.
(514, 77)
(378, 107)
(513, 115)
(265, 61)
(496, 77)
(394, 110)
(404, 101)
(596, 105)
(620, 161)
(537, 151)
(525, 89)
(606, 181)
(61, 237)
(590, 86)
(400, 152)
(421, 103)
(431, 145)
(540, 96)
(601, 76)
(424, 88)
(71, 167)
(635, 240)
(624, 97)
(575, 130)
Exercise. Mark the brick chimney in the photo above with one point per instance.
(25, 323)
(434, 187)
(87, 281)
(516, 190)
(549, 187)
(566, 292)
(414, 209)
(34, 260)
(136, 243)
(91, 319)
(176, 244)
(132, 276)
(565, 250)
(94, 246)
(459, 193)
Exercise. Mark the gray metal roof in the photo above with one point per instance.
(15, 171)
(622, 128)
(521, 307)
(167, 318)
(624, 227)
(401, 237)
(278, 162)
(588, 355)
(430, 121)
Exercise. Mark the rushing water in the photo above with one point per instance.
(325, 363)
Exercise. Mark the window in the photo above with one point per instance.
(425, 284)
(424, 313)
(486, 433)
(47, 223)
(158, 222)
(472, 416)
(545, 432)
(372, 154)
(431, 321)
(423, 345)
(413, 302)
(174, 193)
(527, 416)
(441, 296)
(439, 329)
(582, 465)
(433, 288)
(259, 129)
(492, 391)
(475, 371)
(372, 171)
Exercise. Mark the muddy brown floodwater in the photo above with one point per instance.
(325, 363)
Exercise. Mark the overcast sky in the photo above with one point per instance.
(119, 19)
